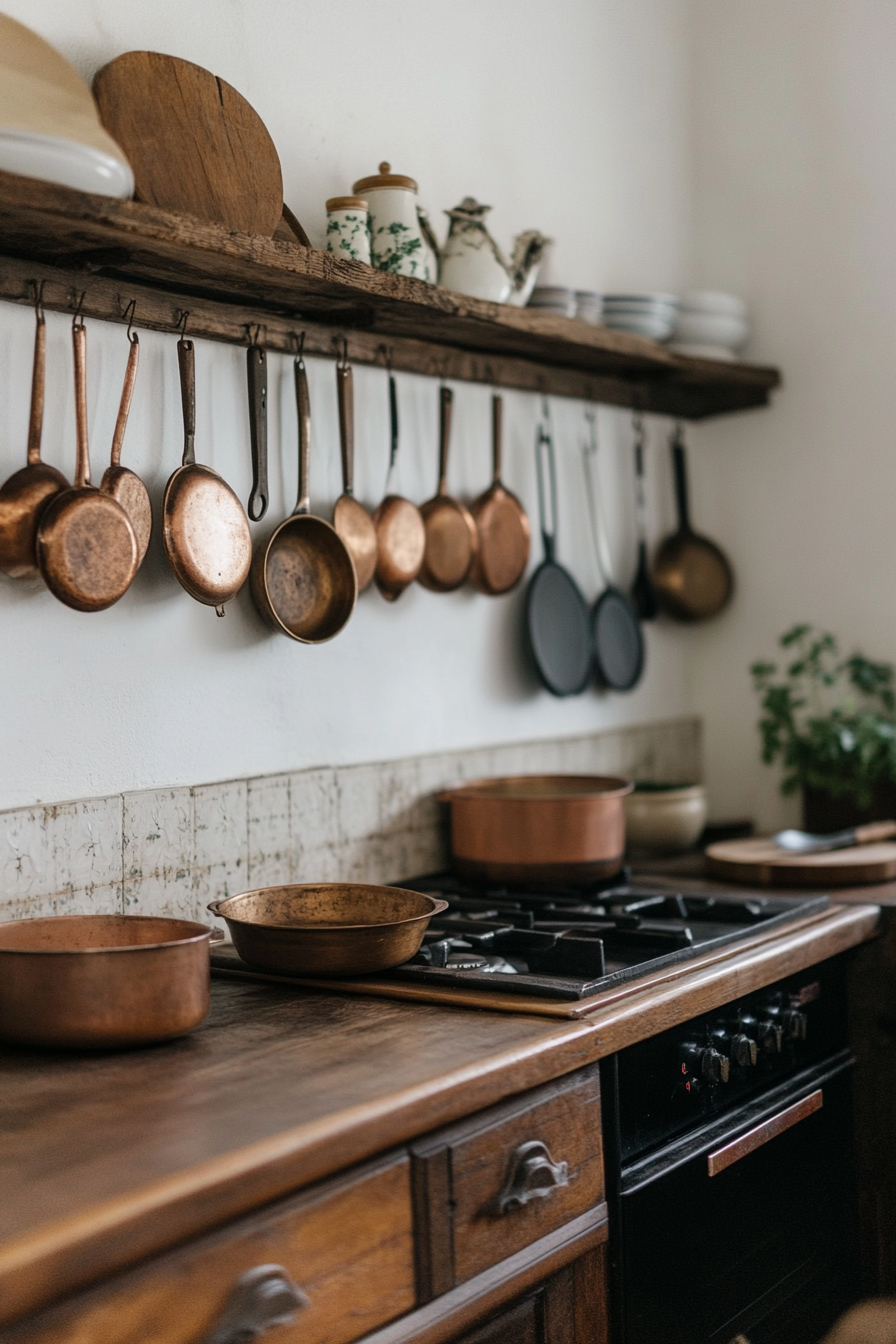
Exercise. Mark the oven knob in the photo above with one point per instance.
(714, 1066)
(795, 1024)
(743, 1050)
(771, 1036)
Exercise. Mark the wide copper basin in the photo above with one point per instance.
(327, 929)
(526, 829)
(102, 981)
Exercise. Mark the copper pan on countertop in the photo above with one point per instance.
(102, 982)
(526, 829)
(327, 929)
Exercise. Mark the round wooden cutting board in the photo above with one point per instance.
(194, 143)
(763, 863)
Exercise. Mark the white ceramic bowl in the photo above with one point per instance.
(65, 161)
(664, 818)
(713, 301)
(641, 300)
(710, 329)
(658, 326)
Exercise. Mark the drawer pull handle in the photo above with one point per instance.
(769, 1129)
(260, 1299)
(533, 1174)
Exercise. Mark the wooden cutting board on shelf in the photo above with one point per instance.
(763, 863)
(194, 143)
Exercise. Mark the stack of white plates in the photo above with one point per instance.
(710, 325)
(589, 306)
(554, 299)
(641, 314)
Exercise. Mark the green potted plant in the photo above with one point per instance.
(832, 723)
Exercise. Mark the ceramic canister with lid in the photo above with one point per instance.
(396, 242)
(348, 234)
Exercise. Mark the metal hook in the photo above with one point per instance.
(180, 322)
(591, 417)
(259, 328)
(77, 319)
(344, 356)
(37, 291)
(129, 318)
(298, 344)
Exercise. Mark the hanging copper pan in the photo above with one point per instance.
(206, 533)
(400, 534)
(29, 490)
(692, 577)
(303, 579)
(86, 546)
(502, 527)
(120, 482)
(451, 538)
(350, 519)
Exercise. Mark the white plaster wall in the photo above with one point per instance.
(795, 126)
(575, 120)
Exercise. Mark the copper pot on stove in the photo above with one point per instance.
(526, 829)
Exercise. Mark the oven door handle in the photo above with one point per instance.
(769, 1129)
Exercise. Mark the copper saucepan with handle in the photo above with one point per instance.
(101, 982)
(527, 829)
(451, 536)
(120, 482)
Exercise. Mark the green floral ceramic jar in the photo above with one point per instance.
(348, 229)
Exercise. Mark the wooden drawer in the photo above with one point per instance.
(489, 1186)
(348, 1245)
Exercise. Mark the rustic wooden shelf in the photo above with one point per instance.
(118, 252)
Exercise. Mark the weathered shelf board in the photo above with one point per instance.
(119, 251)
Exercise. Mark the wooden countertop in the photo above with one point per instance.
(109, 1158)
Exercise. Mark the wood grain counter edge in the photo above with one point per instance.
(60, 1257)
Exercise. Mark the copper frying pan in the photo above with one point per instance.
(86, 546)
(400, 534)
(303, 579)
(29, 490)
(350, 519)
(205, 530)
(502, 527)
(451, 538)
(692, 577)
(120, 482)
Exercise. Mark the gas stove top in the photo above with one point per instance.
(570, 943)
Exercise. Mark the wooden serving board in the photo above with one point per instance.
(763, 863)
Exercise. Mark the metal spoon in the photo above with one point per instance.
(802, 842)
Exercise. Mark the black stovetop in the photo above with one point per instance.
(569, 943)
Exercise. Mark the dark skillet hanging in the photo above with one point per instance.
(643, 597)
(618, 637)
(257, 371)
(691, 575)
(558, 625)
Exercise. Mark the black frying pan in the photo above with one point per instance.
(618, 638)
(558, 625)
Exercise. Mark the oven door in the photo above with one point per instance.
(745, 1229)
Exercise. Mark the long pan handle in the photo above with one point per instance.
(79, 344)
(303, 408)
(127, 393)
(497, 426)
(680, 470)
(257, 370)
(547, 508)
(446, 401)
(38, 384)
(186, 363)
(345, 390)
(393, 433)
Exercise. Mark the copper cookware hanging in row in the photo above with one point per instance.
(451, 536)
(120, 482)
(350, 519)
(400, 533)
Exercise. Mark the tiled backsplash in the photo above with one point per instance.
(170, 851)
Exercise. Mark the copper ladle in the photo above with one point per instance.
(86, 546)
(502, 527)
(350, 519)
(400, 534)
(29, 490)
(451, 539)
(120, 482)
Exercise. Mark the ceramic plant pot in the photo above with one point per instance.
(664, 818)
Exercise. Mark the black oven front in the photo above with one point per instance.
(729, 1171)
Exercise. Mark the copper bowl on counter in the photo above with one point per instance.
(99, 982)
(327, 929)
(566, 829)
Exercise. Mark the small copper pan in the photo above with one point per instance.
(120, 482)
(350, 519)
(206, 533)
(85, 542)
(502, 527)
(451, 538)
(400, 534)
(28, 491)
(102, 982)
(303, 578)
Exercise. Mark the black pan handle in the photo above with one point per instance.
(547, 509)
(680, 470)
(257, 367)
